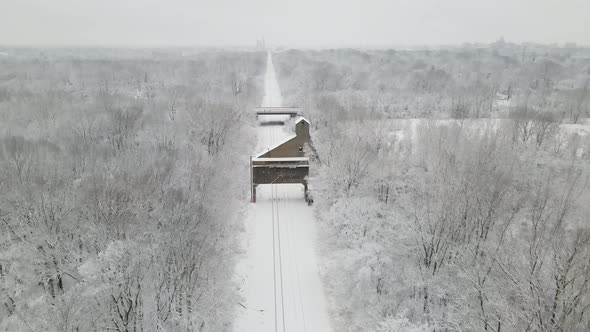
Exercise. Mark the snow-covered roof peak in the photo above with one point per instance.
(299, 119)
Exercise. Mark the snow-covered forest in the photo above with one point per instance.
(295, 166)
(450, 189)
(451, 185)
(123, 175)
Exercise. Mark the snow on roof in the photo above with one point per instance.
(299, 119)
(276, 145)
(282, 166)
(282, 159)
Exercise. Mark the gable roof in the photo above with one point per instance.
(299, 119)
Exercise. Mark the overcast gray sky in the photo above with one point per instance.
(291, 22)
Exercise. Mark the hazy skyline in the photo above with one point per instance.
(291, 23)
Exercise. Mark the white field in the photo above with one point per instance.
(279, 277)
(410, 128)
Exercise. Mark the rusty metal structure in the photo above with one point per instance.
(283, 163)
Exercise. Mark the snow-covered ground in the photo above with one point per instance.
(279, 275)
(272, 92)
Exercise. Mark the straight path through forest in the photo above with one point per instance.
(280, 279)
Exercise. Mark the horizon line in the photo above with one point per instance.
(286, 46)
